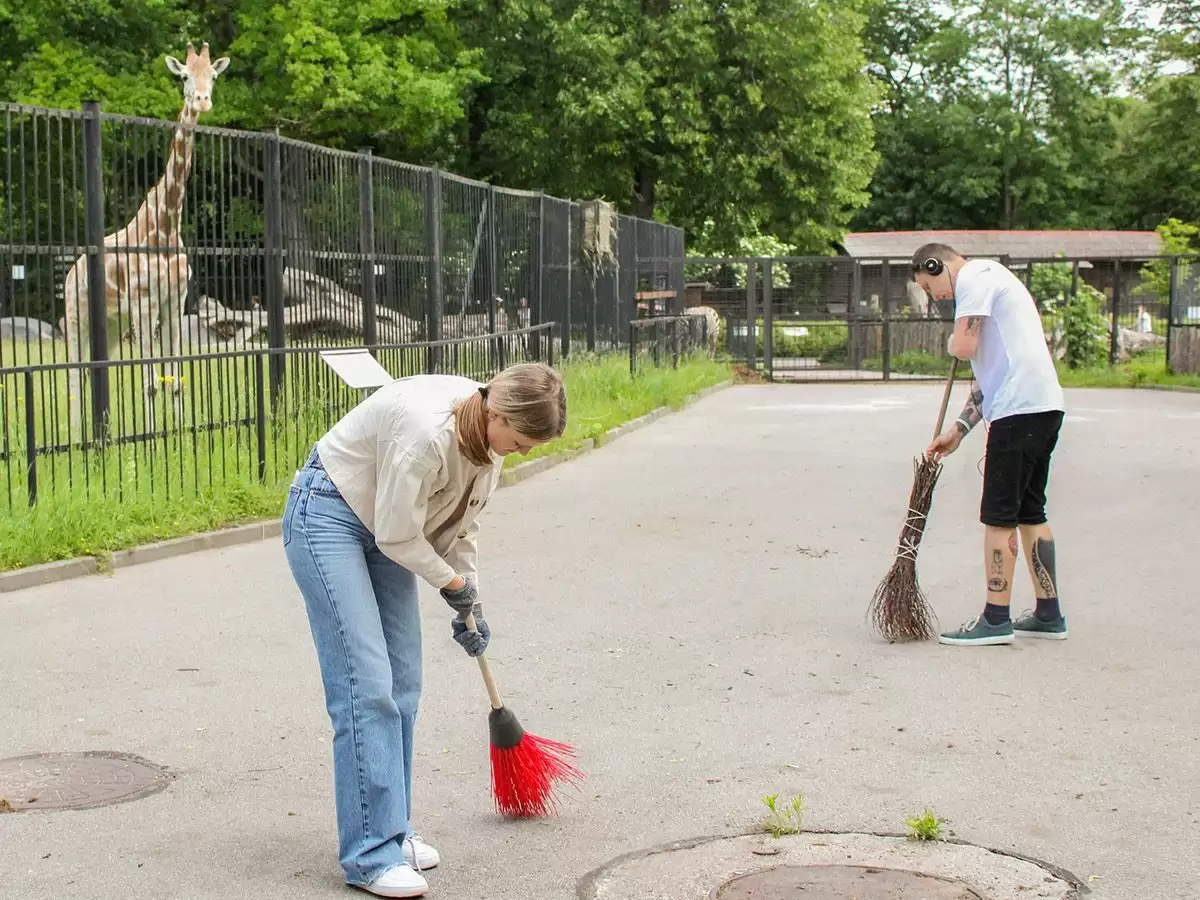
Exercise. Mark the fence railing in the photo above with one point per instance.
(228, 423)
(666, 340)
(846, 318)
(127, 238)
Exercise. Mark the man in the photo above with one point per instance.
(997, 327)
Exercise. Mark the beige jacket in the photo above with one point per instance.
(395, 460)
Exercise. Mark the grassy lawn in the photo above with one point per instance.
(176, 486)
(1144, 369)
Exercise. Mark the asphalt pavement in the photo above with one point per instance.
(686, 606)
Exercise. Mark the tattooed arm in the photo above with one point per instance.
(964, 341)
(972, 413)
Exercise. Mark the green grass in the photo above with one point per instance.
(601, 395)
(181, 485)
(912, 362)
(1148, 368)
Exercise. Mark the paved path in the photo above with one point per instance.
(687, 607)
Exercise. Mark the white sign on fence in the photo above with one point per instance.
(358, 368)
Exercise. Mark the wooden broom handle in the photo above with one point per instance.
(489, 682)
(946, 397)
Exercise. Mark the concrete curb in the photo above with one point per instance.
(62, 570)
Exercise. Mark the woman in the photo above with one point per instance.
(391, 494)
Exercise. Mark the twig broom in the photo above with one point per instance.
(525, 767)
(899, 610)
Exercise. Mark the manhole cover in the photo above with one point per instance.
(76, 780)
(842, 883)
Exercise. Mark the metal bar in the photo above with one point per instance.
(887, 320)
(433, 271)
(366, 244)
(273, 211)
(752, 314)
(536, 271)
(93, 200)
(31, 447)
(566, 319)
(1115, 325)
(768, 319)
(260, 419)
(1172, 298)
(493, 287)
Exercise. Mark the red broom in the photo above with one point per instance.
(525, 767)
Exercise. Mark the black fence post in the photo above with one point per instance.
(366, 245)
(260, 415)
(768, 266)
(496, 345)
(632, 349)
(535, 302)
(273, 209)
(433, 267)
(1114, 336)
(886, 336)
(752, 313)
(1172, 298)
(30, 442)
(93, 200)
(854, 328)
(566, 300)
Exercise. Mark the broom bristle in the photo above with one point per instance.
(524, 776)
(899, 610)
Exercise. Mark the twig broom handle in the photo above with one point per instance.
(493, 694)
(946, 397)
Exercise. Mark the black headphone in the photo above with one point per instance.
(933, 266)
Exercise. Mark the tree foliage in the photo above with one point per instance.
(736, 119)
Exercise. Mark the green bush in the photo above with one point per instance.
(825, 341)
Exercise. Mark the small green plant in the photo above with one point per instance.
(925, 827)
(1083, 322)
(783, 820)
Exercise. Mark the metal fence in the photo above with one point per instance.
(232, 425)
(666, 340)
(125, 238)
(840, 318)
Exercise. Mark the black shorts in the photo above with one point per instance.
(1017, 467)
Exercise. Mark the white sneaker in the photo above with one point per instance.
(398, 881)
(419, 854)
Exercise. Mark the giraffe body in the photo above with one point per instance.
(146, 269)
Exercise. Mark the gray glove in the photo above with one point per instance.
(462, 600)
(474, 642)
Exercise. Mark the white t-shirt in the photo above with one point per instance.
(1012, 364)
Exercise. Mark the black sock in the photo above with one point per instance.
(1047, 609)
(995, 615)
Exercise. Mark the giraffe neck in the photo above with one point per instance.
(163, 209)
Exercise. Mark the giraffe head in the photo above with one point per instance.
(198, 75)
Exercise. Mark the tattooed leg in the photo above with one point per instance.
(1039, 556)
(1000, 557)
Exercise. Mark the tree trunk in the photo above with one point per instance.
(643, 193)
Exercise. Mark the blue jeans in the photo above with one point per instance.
(364, 615)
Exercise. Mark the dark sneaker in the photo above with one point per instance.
(1030, 625)
(979, 631)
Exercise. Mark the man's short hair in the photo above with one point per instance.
(944, 252)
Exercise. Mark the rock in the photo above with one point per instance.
(25, 328)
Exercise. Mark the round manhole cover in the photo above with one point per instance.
(76, 780)
(830, 882)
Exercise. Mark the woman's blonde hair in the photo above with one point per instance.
(530, 397)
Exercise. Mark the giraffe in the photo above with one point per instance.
(145, 267)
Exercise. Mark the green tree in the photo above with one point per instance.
(749, 114)
(1000, 114)
(386, 73)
